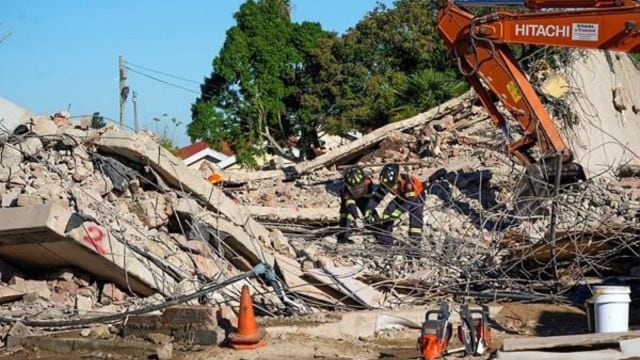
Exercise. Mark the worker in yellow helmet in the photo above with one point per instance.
(354, 196)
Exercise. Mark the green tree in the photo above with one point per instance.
(275, 79)
(256, 91)
(390, 66)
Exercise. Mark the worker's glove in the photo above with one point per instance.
(368, 217)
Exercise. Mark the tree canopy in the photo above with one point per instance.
(275, 80)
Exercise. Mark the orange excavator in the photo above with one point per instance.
(480, 46)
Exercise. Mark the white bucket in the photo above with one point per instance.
(611, 308)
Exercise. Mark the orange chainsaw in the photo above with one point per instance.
(436, 333)
(474, 331)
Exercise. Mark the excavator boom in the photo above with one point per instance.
(480, 46)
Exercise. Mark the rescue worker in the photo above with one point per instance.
(409, 197)
(354, 195)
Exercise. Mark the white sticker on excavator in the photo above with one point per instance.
(584, 32)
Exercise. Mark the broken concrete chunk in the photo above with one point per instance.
(187, 206)
(43, 125)
(164, 352)
(99, 331)
(159, 339)
(38, 287)
(84, 303)
(29, 200)
(10, 156)
(152, 212)
(98, 183)
(80, 173)
(112, 293)
(8, 294)
(187, 287)
(196, 246)
(278, 240)
(206, 266)
(310, 252)
(30, 146)
(19, 329)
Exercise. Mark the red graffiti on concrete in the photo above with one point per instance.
(94, 238)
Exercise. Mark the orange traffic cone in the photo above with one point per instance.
(248, 336)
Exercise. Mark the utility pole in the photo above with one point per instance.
(134, 99)
(123, 88)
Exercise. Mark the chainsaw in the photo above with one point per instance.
(436, 333)
(474, 331)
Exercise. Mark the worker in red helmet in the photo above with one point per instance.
(409, 197)
(354, 196)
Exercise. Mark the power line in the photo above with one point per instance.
(164, 73)
(163, 81)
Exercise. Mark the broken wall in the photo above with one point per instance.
(603, 97)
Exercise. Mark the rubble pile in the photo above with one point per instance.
(102, 222)
(472, 232)
(132, 227)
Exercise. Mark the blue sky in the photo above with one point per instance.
(66, 51)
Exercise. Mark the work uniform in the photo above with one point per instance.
(349, 206)
(409, 197)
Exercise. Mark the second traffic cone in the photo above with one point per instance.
(248, 336)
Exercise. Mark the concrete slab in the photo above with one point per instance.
(604, 137)
(35, 237)
(342, 279)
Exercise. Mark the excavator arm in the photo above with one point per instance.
(480, 47)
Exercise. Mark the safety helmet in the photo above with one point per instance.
(354, 178)
(389, 176)
(215, 178)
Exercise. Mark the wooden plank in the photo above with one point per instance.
(537, 343)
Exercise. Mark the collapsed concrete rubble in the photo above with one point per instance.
(97, 224)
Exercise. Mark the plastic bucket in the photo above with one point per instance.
(610, 307)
